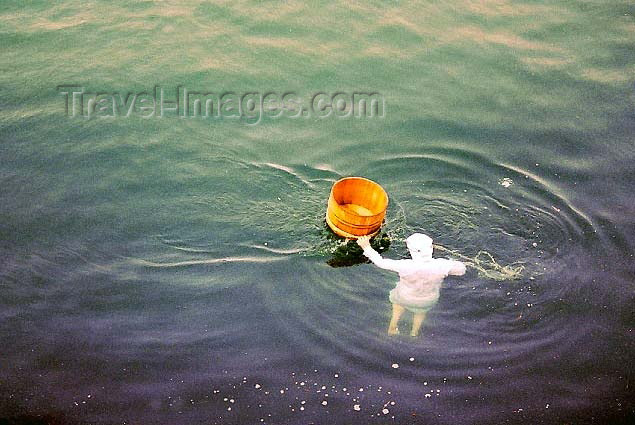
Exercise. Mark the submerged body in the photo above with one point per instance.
(420, 278)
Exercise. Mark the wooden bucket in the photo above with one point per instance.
(356, 207)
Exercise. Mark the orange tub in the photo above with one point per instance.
(356, 207)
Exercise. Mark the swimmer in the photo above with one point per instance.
(420, 279)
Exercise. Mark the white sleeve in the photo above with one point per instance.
(457, 268)
(381, 262)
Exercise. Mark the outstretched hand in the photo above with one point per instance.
(363, 241)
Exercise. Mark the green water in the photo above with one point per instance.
(163, 264)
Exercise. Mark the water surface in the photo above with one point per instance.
(170, 270)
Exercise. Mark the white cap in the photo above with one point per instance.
(419, 245)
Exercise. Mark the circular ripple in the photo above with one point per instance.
(469, 204)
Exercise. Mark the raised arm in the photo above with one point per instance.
(378, 260)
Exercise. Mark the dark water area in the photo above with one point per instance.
(178, 270)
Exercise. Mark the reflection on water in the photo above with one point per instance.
(180, 271)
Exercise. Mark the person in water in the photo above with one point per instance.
(420, 278)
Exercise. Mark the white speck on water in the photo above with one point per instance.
(425, 383)
(225, 399)
(231, 400)
(257, 386)
(323, 387)
(281, 391)
(412, 359)
(324, 403)
(357, 408)
(395, 366)
(361, 389)
(385, 411)
(428, 395)
(506, 182)
(469, 377)
(337, 375)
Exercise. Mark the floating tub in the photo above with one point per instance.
(356, 207)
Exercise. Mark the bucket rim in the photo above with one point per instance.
(365, 179)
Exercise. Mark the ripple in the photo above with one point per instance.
(481, 328)
(147, 263)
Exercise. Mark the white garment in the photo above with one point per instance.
(420, 278)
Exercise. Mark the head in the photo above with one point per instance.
(420, 246)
